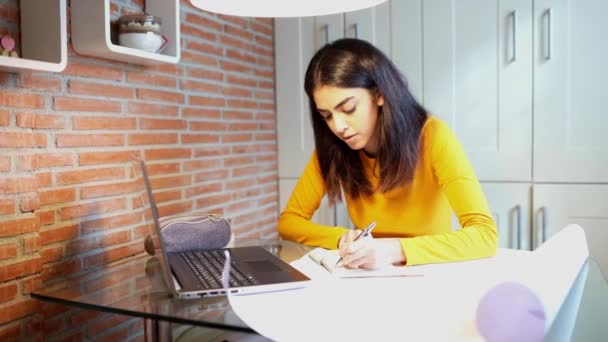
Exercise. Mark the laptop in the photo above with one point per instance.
(196, 274)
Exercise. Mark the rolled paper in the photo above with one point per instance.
(8, 43)
(14, 54)
(511, 311)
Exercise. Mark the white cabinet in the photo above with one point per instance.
(510, 207)
(296, 41)
(557, 205)
(570, 72)
(478, 78)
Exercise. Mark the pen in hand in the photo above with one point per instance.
(363, 234)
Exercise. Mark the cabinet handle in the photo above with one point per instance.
(548, 34)
(518, 222)
(356, 30)
(513, 16)
(543, 226)
(326, 29)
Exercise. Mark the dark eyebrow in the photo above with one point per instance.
(338, 105)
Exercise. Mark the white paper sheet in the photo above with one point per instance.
(439, 306)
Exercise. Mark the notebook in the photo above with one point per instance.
(195, 274)
(328, 259)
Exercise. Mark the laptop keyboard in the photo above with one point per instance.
(208, 267)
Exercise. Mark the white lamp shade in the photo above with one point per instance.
(282, 8)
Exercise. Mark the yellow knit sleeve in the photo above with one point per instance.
(295, 223)
(477, 237)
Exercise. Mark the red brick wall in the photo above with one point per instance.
(206, 127)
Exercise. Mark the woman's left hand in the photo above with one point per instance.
(369, 252)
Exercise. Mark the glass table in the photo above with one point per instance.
(135, 288)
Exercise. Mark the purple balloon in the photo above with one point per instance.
(511, 312)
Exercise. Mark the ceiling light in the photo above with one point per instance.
(282, 8)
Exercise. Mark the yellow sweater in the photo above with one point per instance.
(419, 213)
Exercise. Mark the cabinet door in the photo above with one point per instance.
(294, 40)
(406, 41)
(556, 206)
(327, 28)
(371, 24)
(510, 207)
(477, 76)
(570, 73)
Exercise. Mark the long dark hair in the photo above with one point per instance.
(354, 63)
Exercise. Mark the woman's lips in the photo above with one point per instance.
(349, 138)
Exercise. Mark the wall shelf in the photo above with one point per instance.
(91, 32)
(43, 37)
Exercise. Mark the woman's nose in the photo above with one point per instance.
(341, 123)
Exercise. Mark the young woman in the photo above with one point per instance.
(396, 165)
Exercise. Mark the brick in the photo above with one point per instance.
(43, 179)
(203, 189)
(201, 113)
(89, 244)
(207, 23)
(151, 139)
(211, 151)
(58, 234)
(175, 208)
(171, 153)
(247, 104)
(60, 269)
(18, 310)
(93, 71)
(55, 196)
(238, 115)
(5, 163)
(211, 201)
(199, 138)
(21, 99)
(171, 182)
(163, 169)
(29, 202)
(10, 332)
(204, 87)
(187, 30)
(114, 254)
(8, 292)
(160, 95)
(31, 244)
(15, 185)
(89, 175)
(238, 32)
(206, 101)
(30, 162)
(205, 74)
(197, 59)
(151, 80)
(96, 207)
(152, 109)
(261, 28)
(237, 80)
(108, 190)
(31, 284)
(206, 48)
(207, 176)
(8, 251)
(170, 69)
(46, 217)
(117, 221)
(66, 103)
(100, 89)
(167, 196)
(214, 126)
(230, 138)
(153, 124)
(95, 158)
(51, 253)
(31, 80)
(243, 126)
(238, 21)
(237, 92)
(235, 43)
(195, 165)
(103, 122)
(84, 140)
(19, 269)
(22, 139)
(5, 118)
(7, 206)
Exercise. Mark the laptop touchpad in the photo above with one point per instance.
(263, 266)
